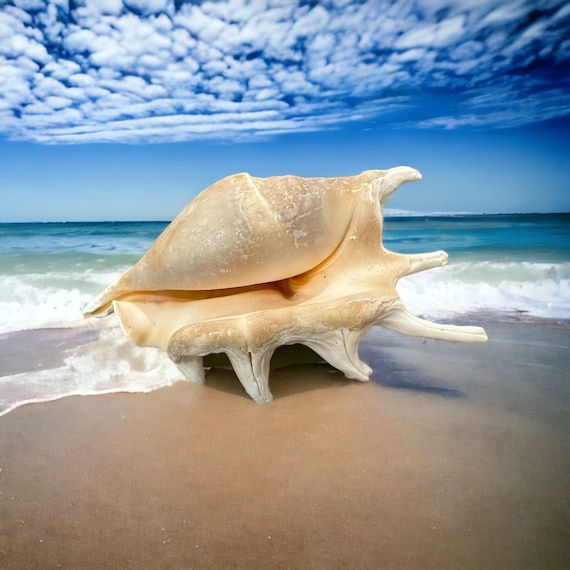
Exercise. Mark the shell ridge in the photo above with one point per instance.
(253, 186)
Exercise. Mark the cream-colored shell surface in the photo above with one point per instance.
(244, 231)
(252, 264)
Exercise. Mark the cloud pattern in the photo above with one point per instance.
(139, 71)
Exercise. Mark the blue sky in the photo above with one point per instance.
(117, 110)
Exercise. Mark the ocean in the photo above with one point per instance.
(502, 265)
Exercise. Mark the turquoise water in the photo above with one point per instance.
(533, 238)
(501, 263)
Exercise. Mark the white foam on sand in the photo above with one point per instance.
(109, 364)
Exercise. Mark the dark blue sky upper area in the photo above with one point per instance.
(109, 95)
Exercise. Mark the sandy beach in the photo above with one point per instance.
(453, 456)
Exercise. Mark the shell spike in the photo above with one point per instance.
(332, 347)
(351, 342)
(422, 261)
(402, 321)
(193, 368)
(246, 366)
(394, 178)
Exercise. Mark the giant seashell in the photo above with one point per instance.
(253, 264)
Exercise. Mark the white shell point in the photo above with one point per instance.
(252, 264)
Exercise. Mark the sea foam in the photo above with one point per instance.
(539, 290)
(109, 364)
(31, 301)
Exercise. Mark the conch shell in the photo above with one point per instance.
(252, 264)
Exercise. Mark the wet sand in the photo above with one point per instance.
(454, 456)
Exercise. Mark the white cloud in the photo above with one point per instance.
(61, 69)
(56, 103)
(121, 70)
(15, 80)
(440, 34)
(17, 44)
(142, 36)
(147, 6)
(510, 109)
(311, 22)
(466, 50)
(46, 86)
(506, 13)
(29, 4)
(113, 7)
(80, 40)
